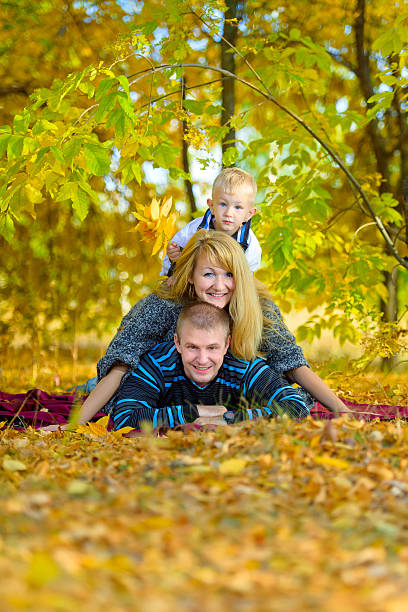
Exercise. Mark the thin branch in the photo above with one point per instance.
(337, 57)
(334, 156)
(361, 228)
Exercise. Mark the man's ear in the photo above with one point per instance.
(177, 343)
(251, 212)
(210, 205)
(227, 344)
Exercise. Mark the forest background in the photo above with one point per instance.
(108, 108)
(107, 105)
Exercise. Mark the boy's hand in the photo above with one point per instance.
(173, 251)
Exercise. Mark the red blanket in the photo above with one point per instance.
(37, 408)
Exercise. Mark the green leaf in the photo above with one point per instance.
(164, 155)
(72, 148)
(230, 156)
(104, 86)
(66, 192)
(121, 124)
(15, 147)
(87, 88)
(124, 83)
(137, 172)
(97, 159)
(4, 138)
(105, 106)
(21, 122)
(7, 228)
(80, 203)
(58, 155)
(194, 106)
(126, 104)
(294, 34)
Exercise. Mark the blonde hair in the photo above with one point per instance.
(231, 179)
(244, 307)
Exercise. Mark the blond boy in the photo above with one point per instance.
(230, 210)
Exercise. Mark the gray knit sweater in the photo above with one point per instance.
(153, 320)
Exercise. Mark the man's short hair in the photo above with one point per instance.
(204, 316)
(231, 179)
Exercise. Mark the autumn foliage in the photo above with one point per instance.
(97, 97)
(275, 516)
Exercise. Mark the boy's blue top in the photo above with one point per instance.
(245, 236)
(159, 392)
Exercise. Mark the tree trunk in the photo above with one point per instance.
(389, 308)
(186, 164)
(228, 63)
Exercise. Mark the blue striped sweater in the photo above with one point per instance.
(159, 392)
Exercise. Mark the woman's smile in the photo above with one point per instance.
(212, 283)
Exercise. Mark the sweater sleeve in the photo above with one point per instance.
(141, 400)
(151, 320)
(279, 345)
(269, 394)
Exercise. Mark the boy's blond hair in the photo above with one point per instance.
(232, 179)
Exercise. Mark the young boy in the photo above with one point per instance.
(230, 210)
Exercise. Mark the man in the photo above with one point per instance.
(196, 379)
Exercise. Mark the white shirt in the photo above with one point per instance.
(253, 252)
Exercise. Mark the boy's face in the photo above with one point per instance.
(202, 352)
(231, 210)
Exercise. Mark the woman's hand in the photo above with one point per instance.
(54, 427)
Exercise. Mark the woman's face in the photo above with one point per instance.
(212, 284)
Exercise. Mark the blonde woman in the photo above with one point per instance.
(212, 268)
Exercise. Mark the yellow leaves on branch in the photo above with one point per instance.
(157, 223)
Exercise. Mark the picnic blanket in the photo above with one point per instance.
(36, 408)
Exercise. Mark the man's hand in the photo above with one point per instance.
(173, 251)
(211, 411)
(210, 415)
(215, 420)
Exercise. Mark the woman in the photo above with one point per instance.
(212, 268)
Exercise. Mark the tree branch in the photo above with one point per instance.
(339, 162)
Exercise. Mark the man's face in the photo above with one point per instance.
(231, 209)
(202, 352)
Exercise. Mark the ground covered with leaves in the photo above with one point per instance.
(263, 516)
(272, 515)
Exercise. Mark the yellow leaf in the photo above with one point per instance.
(157, 245)
(13, 465)
(33, 195)
(154, 209)
(331, 462)
(156, 522)
(42, 569)
(122, 430)
(77, 487)
(232, 466)
(95, 429)
(169, 225)
(165, 209)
